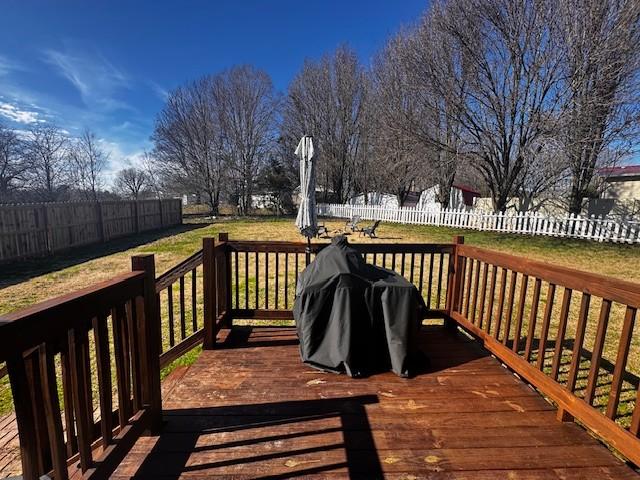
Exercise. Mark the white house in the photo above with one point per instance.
(461, 196)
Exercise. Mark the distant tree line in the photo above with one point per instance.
(516, 98)
(47, 164)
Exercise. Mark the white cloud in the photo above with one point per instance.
(19, 115)
(121, 156)
(7, 66)
(96, 79)
(161, 92)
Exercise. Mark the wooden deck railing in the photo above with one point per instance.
(86, 334)
(524, 312)
(539, 319)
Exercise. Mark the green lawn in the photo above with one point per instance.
(39, 280)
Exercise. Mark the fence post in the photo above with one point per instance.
(223, 274)
(150, 340)
(99, 222)
(210, 294)
(455, 281)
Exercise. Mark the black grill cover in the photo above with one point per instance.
(356, 317)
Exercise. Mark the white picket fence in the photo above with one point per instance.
(572, 226)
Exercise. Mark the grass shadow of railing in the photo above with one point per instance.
(268, 440)
(630, 381)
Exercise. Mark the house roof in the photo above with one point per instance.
(624, 171)
(465, 188)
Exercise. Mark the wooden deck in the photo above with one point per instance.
(251, 409)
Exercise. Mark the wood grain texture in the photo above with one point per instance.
(251, 409)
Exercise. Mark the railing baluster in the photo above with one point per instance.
(286, 280)
(83, 411)
(546, 322)
(34, 378)
(183, 318)
(598, 347)
(120, 347)
(483, 293)
(492, 294)
(467, 303)
(194, 299)
(579, 339)
(412, 265)
(420, 275)
(402, 257)
(52, 412)
(246, 280)
(25, 416)
(266, 280)
(510, 299)
(257, 270)
(67, 397)
(520, 315)
(439, 290)
(101, 338)
(562, 328)
(276, 282)
(172, 340)
(533, 318)
(500, 310)
(134, 310)
(297, 272)
(621, 362)
(430, 285)
(237, 282)
(474, 294)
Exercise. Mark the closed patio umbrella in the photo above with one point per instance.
(307, 221)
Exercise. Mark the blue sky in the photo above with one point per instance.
(108, 65)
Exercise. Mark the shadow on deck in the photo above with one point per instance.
(251, 409)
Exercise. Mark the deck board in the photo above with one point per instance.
(251, 409)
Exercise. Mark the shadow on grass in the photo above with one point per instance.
(23, 270)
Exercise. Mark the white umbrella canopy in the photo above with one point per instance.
(307, 221)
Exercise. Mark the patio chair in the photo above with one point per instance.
(353, 223)
(371, 231)
(322, 230)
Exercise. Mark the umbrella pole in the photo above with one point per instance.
(308, 252)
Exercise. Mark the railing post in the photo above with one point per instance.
(210, 295)
(150, 340)
(223, 274)
(455, 281)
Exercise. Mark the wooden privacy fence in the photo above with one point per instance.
(572, 335)
(31, 230)
(571, 226)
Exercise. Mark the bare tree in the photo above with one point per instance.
(543, 177)
(154, 180)
(12, 163)
(599, 40)
(438, 82)
(509, 62)
(398, 158)
(244, 100)
(131, 182)
(189, 142)
(47, 150)
(327, 99)
(88, 160)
